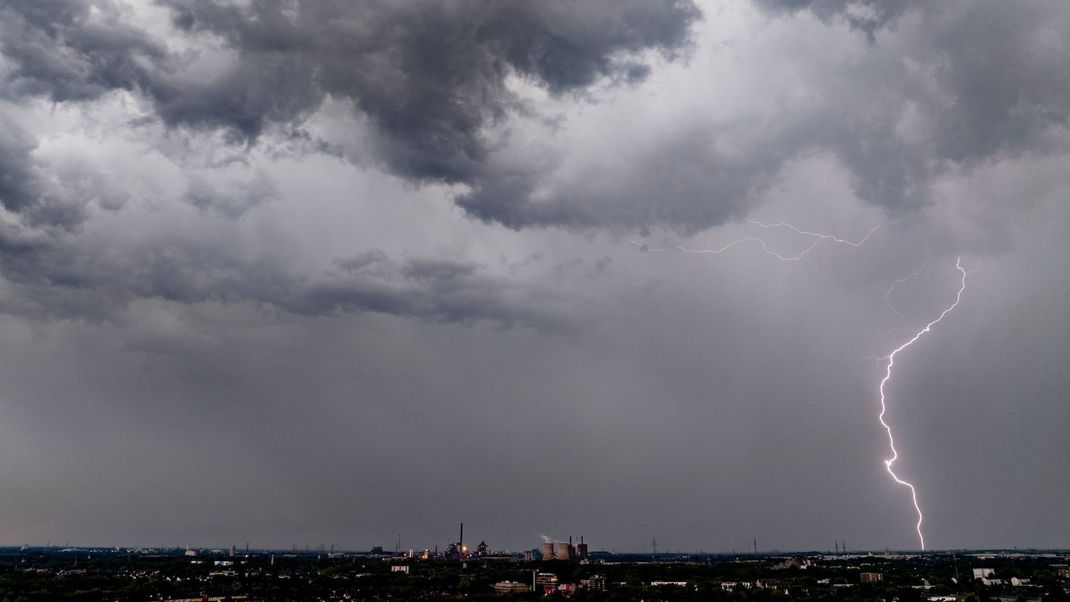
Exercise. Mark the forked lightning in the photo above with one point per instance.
(817, 238)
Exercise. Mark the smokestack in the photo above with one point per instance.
(460, 543)
(581, 550)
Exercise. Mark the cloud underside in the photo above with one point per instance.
(431, 83)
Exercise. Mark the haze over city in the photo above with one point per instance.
(336, 273)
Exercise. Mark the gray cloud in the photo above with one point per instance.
(997, 81)
(235, 199)
(684, 181)
(428, 288)
(431, 80)
(948, 90)
(20, 185)
(75, 50)
(975, 82)
(430, 77)
(1008, 90)
(52, 200)
(866, 15)
(56, 280)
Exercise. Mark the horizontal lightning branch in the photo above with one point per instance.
(817, 238)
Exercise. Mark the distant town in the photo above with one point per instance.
(558, 570)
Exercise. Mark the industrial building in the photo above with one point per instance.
(871, 577)
(562, 550)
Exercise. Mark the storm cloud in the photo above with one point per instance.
(429, 78)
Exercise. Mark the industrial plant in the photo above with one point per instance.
(552, 550)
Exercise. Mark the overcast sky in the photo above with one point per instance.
(311, 272)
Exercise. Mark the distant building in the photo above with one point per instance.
(561, 551)
(564, 551)
(983, 573)
(581, 551)
(594, 582)
(779, 584)
(871, 577)
(546, 579)
(795, 562)
(509, 587)
(400, 568)
(547, 582)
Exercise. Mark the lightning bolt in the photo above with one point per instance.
(888, 462)
(914, 274)
(816, 236)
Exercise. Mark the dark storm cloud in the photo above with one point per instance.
(428, 288)
(43, 199)
(867, 15)
(990, 78)
(429, 76)
(987, 80)
(52, 279)
(20, 185)
(73, 49)
(982, 82)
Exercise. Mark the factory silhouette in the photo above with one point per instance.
(559, 551)
(550, 550)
